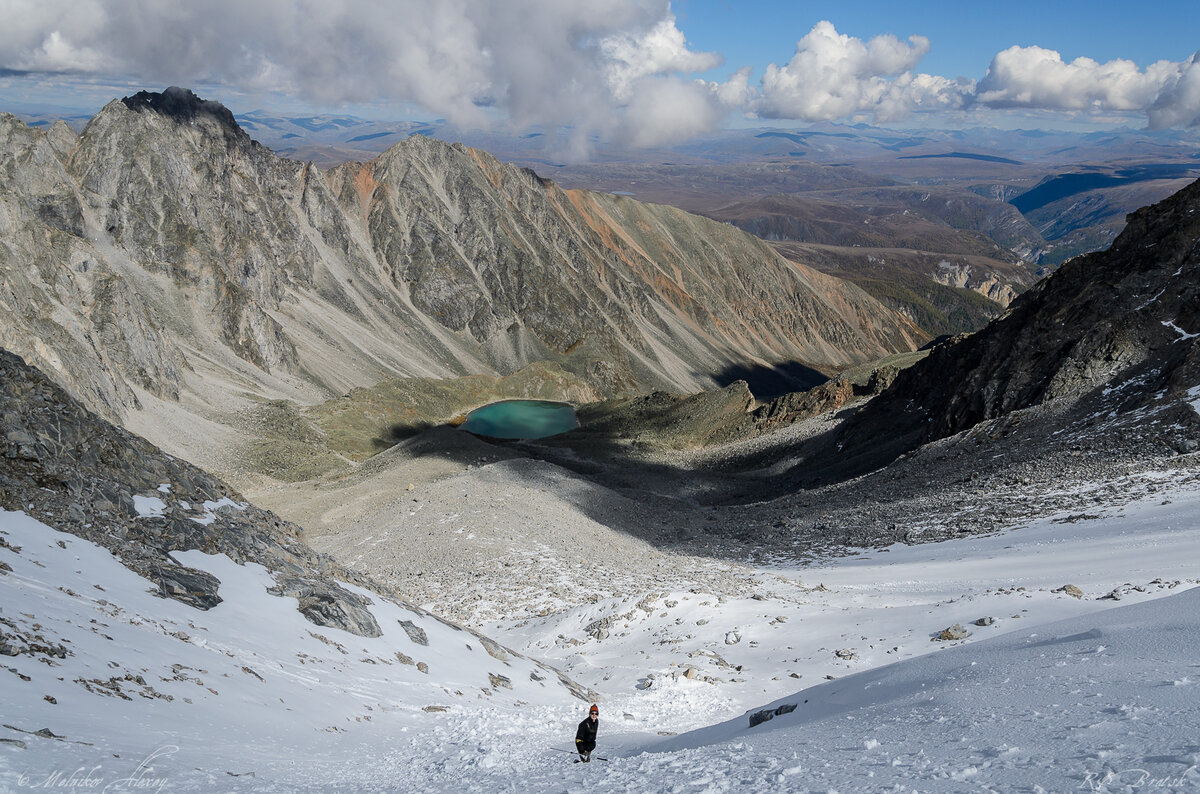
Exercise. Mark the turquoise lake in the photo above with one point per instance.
(521, 419)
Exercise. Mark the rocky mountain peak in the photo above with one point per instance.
(182, 105)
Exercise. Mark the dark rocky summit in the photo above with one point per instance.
(182, 105)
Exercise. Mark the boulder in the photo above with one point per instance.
(955, 632)
(414, 632)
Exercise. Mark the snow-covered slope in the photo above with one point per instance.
(1104, 702)
(1058, 693)
(122, 677)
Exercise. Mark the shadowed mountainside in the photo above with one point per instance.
(1125, 319)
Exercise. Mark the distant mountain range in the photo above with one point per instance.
(163, 255)
(1071, 192)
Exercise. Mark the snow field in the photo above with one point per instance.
(1058, 693)
(248, 686)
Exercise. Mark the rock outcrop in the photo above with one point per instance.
(69, 468)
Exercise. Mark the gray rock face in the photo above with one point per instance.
(163, 244)
(955, 632)
(766, 715)
(414, 632)
(329, 604)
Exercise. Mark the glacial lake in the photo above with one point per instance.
(521, 419)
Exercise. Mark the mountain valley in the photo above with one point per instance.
(238, 513)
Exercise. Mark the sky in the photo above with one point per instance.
(636, 72)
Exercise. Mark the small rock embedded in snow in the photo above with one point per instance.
(955, 632)
(732, 637)
(1070, 590)
(414, 632)
(845, 653)
(985, 621)
(766, 715)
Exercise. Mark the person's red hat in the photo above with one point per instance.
(594, 709)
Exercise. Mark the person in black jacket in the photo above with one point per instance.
(585, 737)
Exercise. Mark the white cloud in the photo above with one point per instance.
(605, 68)
(1033, 77)
(530, 61)
(662, 111)
(660, 50)
(1179, 104)
(1039, 78)
(832, 76)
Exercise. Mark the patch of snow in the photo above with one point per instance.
(1183, 335)
(247, 696)
(147, 506)
(1057, 693)
(211, 508)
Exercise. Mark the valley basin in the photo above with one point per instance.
(521, 419)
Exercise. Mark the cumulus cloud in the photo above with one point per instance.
(1037, 77)
(669, 110)
(594, 66)
(660, 50)
(1179, 104)
(1033, 77)
(832, 76)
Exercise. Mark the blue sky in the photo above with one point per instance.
(964, 35)
(640, 72)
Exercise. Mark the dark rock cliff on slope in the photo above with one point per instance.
(1123, 321)
(163, 252)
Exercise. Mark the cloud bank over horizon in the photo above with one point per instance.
(620, 70)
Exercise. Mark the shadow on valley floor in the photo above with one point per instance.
(706, 510)
(398, 433)
(770, 381)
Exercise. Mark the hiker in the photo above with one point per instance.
(585, 737)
